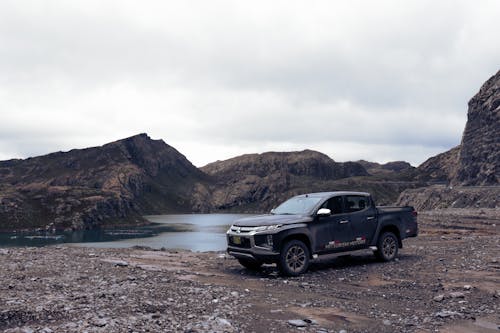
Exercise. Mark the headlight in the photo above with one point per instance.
(268, 227)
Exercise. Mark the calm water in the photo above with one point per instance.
(196, 232)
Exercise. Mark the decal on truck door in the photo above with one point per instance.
(337, 244)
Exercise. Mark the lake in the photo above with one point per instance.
(196, 232)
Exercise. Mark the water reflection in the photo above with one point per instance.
(197, 232)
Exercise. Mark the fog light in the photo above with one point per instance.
(270, 240)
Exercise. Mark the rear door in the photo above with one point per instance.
(362, 217)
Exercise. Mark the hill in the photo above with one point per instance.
(257, 182)
(115, 183)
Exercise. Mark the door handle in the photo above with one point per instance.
(370, 218)
(343, 221)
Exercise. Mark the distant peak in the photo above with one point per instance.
(139, 136)
(138, 139)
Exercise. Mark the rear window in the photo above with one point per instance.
(354, 203)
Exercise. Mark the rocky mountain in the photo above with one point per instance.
(257, 182)
(475, 162)
(121, 181)
(261, 180)
(307, 163)
(441, 168)
(117, 182)
(395, 168)
(479, 159)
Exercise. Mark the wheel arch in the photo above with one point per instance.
(297, 236)
(395, 230)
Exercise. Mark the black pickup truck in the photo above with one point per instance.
(313, 224)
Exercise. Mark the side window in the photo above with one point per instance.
(334, 204)
(354, 203)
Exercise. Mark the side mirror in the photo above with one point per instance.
(322, 212)
(272, 211)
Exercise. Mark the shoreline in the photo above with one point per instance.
(446, 279)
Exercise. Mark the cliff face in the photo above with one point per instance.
(479, 157)
(86, 187)
(475, 162)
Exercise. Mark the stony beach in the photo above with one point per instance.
(445, 280)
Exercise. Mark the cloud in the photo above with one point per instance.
(372, 80)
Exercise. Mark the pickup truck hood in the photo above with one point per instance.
(270, 219)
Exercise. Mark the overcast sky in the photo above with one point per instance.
(373, 80)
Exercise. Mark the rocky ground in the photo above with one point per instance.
(446, 280)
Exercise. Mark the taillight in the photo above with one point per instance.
(414, 213)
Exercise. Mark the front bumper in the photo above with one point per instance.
(252, 246)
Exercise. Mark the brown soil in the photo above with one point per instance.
(445, 280)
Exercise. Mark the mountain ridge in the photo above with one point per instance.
(119, 182)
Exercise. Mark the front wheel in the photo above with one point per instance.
(387, 247)
(294, 258)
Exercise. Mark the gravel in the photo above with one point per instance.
(449, 284)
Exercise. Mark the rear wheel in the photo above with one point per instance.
(387, 246)
(252, 265)
(294, 258)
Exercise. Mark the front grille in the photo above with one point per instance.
(238, 241)
(243, 230)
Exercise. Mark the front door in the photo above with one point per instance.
(333, 233)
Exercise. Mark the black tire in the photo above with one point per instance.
(294, 258)
(252, 265)
(387, 246)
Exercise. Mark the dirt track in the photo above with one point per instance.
(445, 280)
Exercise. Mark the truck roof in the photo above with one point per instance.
(333, 193)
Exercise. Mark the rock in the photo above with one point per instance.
(99, 322)
(446, 314)
(467, 287)
(457, 294)
(311, 321)
(387, 322)
(298, 323)
(118, 263)
(223, 322)
(438, 298)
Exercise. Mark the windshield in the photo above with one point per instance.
(297, 206)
